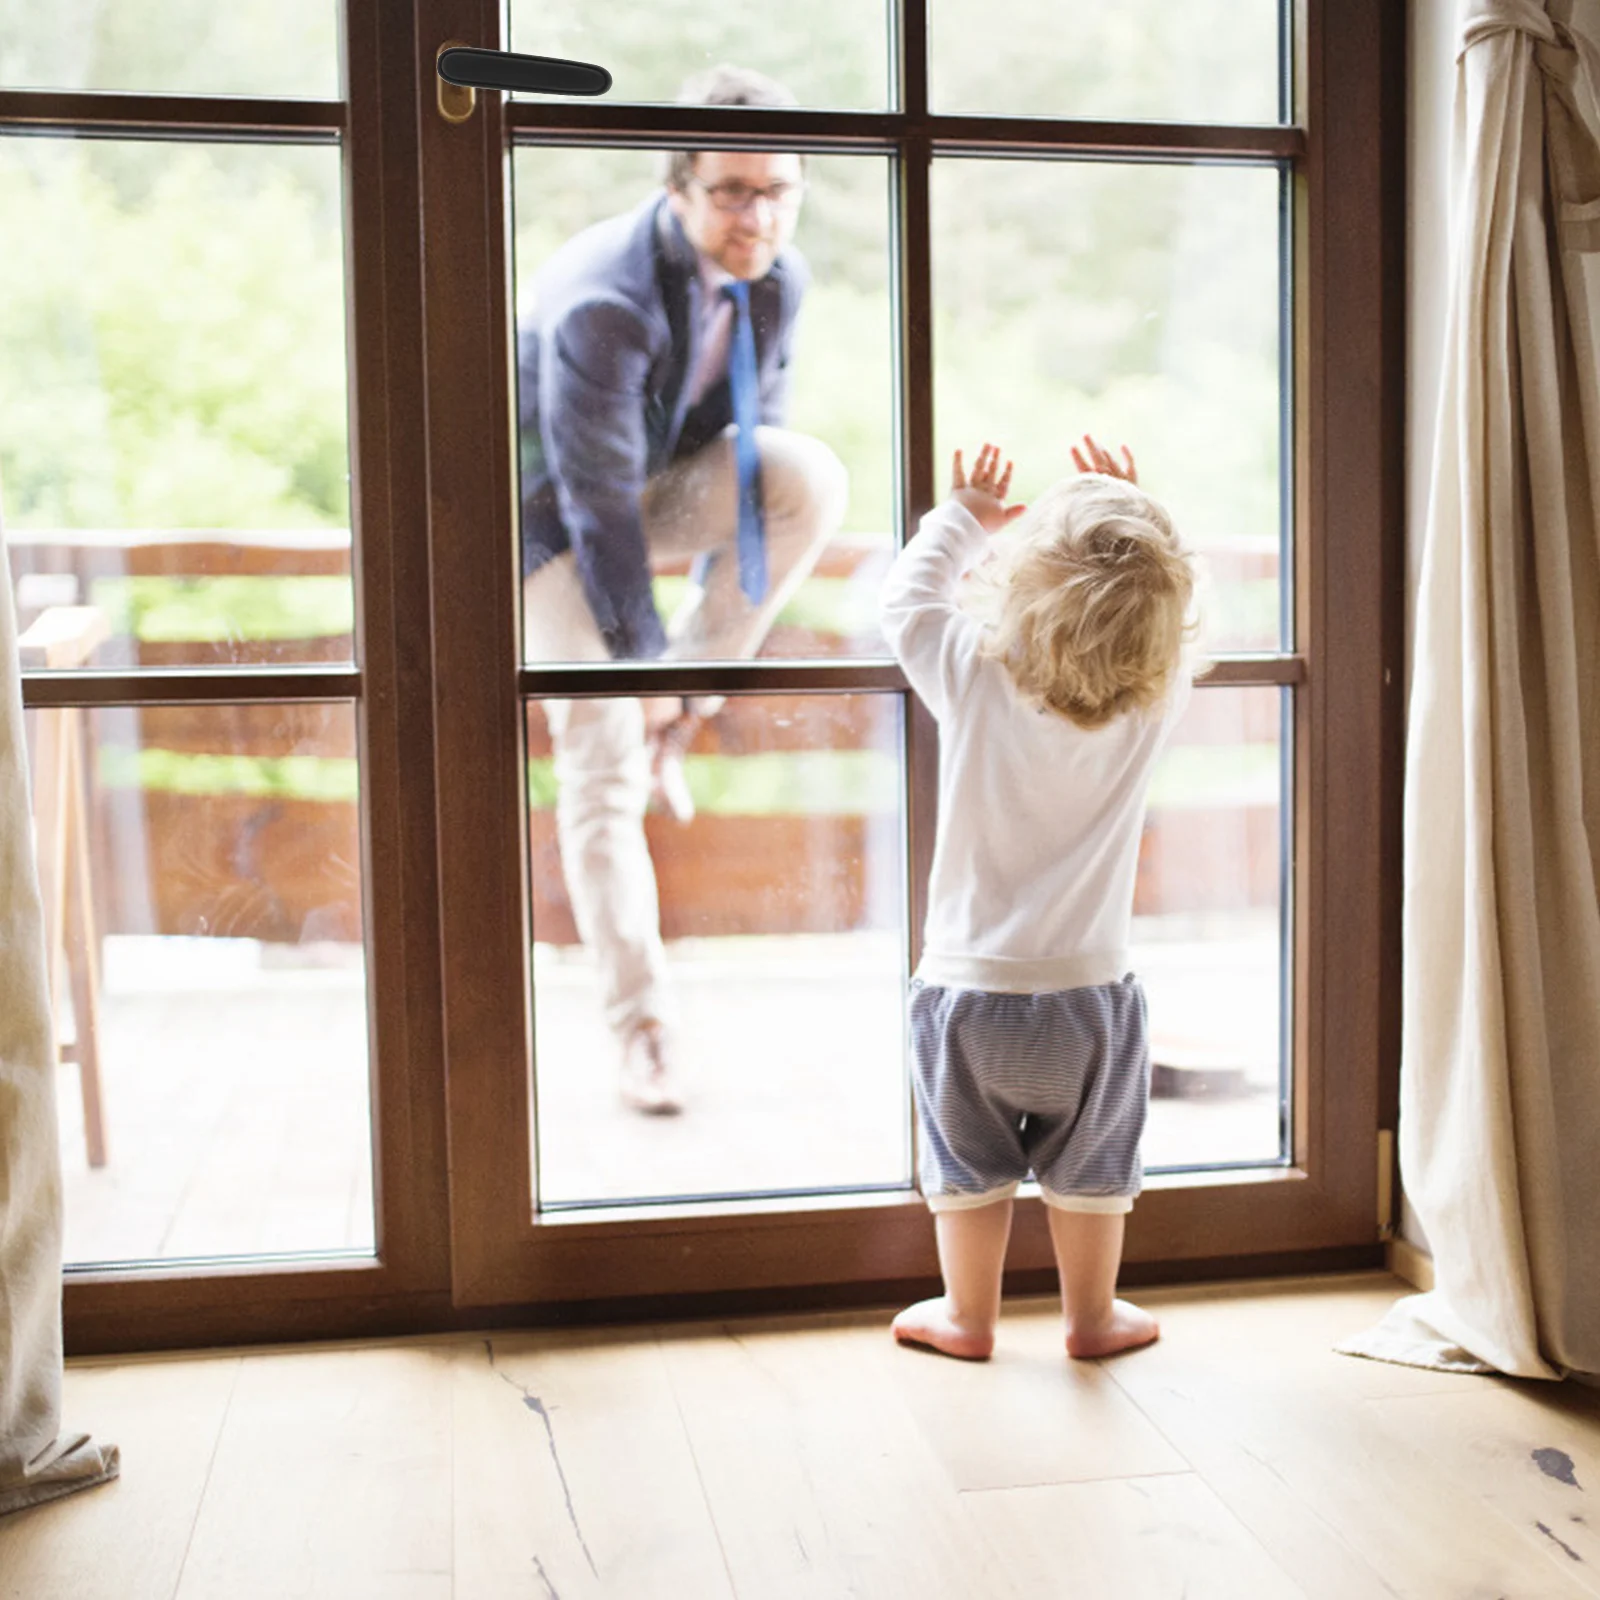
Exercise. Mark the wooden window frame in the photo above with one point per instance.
(164, 1305)
(445, 858)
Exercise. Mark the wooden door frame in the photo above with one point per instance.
(1322, 1209)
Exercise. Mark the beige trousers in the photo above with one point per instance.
(602, 764)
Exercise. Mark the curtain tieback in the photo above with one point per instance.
(1486, 18)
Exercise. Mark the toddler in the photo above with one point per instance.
(1056, 672)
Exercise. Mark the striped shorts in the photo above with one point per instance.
(1056, 1084)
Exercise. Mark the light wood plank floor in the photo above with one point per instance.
(1238, 1459)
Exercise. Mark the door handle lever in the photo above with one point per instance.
(467, 69)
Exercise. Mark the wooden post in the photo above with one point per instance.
(64, 637)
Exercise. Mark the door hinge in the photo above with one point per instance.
(1386, 1185)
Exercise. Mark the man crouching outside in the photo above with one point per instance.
(653, 372)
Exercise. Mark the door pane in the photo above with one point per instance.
(1141, 303)
(1110, 60)
(782, 976)
(834, 400)
(201, 869)
(173, 437)
(833, 55)
(245, 47)
(1211, 937)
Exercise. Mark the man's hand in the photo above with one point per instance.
(984, 493)
(670, 726)
(660, 712)
(1101, 460)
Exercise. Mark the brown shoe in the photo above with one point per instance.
(649, 1081)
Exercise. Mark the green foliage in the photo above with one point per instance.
(811, 783)
(1207, 60)
(210, 610)
(1137, 302)
(171, 314)
(249, 47)
(1154, 60)
(320, 778)
(832, 53)
(844, 392)
(1226, 776)
(805, 783)
(171, 336)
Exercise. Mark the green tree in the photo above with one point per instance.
(172, 336)
(245, 47)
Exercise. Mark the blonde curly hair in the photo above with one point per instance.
(1089, 600)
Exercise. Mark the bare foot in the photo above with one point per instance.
(930, 1324)
(1127, 1328)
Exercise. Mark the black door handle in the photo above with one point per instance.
(502, 69)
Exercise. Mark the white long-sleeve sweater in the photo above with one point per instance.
(1039, 819)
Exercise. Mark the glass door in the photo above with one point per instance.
(686, 823)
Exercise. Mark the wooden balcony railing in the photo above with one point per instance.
(173, 852)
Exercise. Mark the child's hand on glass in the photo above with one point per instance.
(984, 493)
(1101, 460)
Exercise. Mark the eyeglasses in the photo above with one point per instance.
(733, 196)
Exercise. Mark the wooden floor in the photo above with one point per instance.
(1239, 1459)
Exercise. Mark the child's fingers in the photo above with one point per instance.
(987, 472)
(1101, 460)
(1013, 512)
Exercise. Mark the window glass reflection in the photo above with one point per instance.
(755, 924)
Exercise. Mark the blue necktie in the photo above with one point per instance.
(744, 384)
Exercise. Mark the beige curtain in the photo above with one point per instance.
(1500, 1075)
(37, 1461)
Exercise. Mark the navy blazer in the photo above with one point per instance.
(604, 353)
